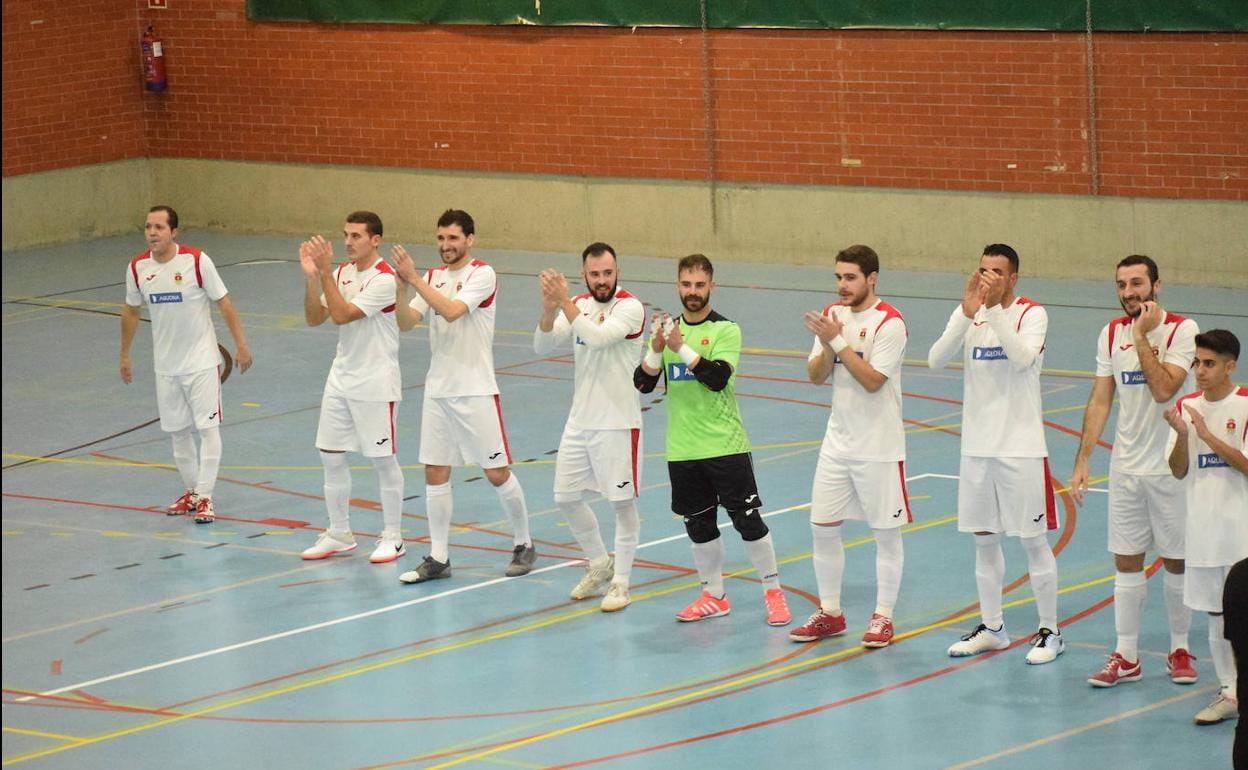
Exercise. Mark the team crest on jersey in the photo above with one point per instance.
(862, 333)
(177, 278)
(1230, 425)
(706, 341)
(459, 286)
(602, 317)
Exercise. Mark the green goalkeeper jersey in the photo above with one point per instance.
(701, 422)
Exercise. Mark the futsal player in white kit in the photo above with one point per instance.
(1004, 481)
(176, 283)
(1208, 449)
(363, 389)
(461, 418)
(1144, 358)
(860, 343)
(600, 450)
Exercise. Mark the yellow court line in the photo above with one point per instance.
(640, 710)
(41, 734)
(1020, 748)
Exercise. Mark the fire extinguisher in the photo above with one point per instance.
(153, 55)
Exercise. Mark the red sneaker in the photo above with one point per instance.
(879, 631)
(184, 504)
(1117, 669)
(777, 608)
(705, 606)
(204, 514)
(1179, 664)
(820, 625)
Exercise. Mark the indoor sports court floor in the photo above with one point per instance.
(134, 640)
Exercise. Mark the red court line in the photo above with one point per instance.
(88, 702)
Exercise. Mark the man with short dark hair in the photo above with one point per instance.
(860, 343)
(1144, 358)
(364, 386)
(600, 449)
(1004, 484)
(176, 283)
(461, 418)
(1209, 450)
(708, 453)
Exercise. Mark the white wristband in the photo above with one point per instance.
(837, 344)
(687, 354)
(653, 360)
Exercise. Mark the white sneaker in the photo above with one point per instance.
(390, 546)
(329, 543)
(1046, 645)
(1222, 708)
(617, 598)
(982, 639)
(595, 581)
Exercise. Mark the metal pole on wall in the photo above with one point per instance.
(708, 104)
(1091, 77)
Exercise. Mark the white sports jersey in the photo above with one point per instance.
(865, 425)
(462, 352)
(1141, 433)
(1003, 352)
(607, 342)
(1217, 494)
(177, 294)
(366, 367)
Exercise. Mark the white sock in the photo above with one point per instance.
(627, 535)
(889, 559)
(209, 460)
(762, 553)
(1043, 568)
(439, 504)
(390, 489)
(511, 495)
(337, 490)
(1222, 654)
(989, 579)
(186, 458)
(1130, 591)
(829, 560)
(584, 525)
(1179, 613)
(709, 559)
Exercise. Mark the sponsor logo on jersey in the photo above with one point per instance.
(858, 353)
(678, 371)
(150, 277)
(157, 297)
(1134, 378)
(988, 354)
(579, 341)
(1211, 460)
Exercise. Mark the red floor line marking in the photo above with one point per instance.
(89, 697)
(310, 582)
(63, 702)
(55, 668)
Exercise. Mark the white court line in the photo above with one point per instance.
(349, 618)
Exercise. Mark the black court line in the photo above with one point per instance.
(171, 556)
(128, 566)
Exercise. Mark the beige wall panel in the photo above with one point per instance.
(75, 204)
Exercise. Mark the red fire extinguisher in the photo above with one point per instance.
(153, 54)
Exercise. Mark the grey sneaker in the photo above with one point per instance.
(522, 558)
(617, 598)
(429, 569)
(1222, 708)
(595, 581)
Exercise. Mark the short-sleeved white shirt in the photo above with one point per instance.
(1217, 494)
(366, 367)
(865, 425)
(462, 351)
(606, 341)
(1001, 415)
(177, 293)
(1141, 432)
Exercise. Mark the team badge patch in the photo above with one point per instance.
(177, 278)
(862, 333)
(1230, 425)
(706, 341)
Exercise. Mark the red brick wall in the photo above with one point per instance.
(72, 92)
(890, 109)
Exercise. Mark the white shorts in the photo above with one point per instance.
(366, 427)
(1010, 495)
(1202, 587)
(189, 400)
(1146, 511)
(604, 461)
(463, 431)
(870, 491)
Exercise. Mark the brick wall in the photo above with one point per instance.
(72, 92)
(966, 111)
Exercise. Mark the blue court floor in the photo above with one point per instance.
(135, 640)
